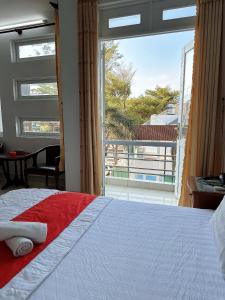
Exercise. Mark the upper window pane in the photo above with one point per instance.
(183, 12)
(125, 21)
(36, 49)
(35, 89)
(40, 127)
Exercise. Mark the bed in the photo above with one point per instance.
(124, 250)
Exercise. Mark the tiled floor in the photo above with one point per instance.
(141, 195)
(125, 193)
(34, 183)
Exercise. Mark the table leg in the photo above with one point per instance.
(21, 171)
(19, 174)
(19, 178)
(16, 172)
(7, 175)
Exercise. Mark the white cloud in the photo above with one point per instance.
(141, 82)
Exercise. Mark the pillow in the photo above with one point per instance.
(218, 226)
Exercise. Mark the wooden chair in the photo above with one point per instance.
(49, 168)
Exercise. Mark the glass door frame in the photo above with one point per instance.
(181, 128)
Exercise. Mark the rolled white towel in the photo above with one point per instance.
(35, 231)
(19, 246)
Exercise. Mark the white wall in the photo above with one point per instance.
(10, 108)
(17, 11)
(70, 90)
(69, 66)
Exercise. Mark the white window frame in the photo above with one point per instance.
(151, 12)
(172, 25)
(17, 89)
(21, 133)
(175, 9)
(15, 44)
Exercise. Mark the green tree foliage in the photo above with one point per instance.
(45, 89)
(118, 80)
(112, 57)
(118, 86)
(152, 102)
(122, 112)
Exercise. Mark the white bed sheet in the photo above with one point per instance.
(138, 251)
(30, 278)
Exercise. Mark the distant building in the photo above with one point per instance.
(162, 128)
(167, 117)
(156, 162)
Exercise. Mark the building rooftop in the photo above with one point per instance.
(156, 132)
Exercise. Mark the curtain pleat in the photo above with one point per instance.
(60, 100)
(90, 140)
(203, 156)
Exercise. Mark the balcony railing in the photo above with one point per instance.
(153, 161)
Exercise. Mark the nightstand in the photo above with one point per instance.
(206, 199)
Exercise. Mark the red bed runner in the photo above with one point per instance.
(58, 211)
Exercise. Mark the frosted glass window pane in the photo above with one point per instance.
(45, 127)
(183, 12)
(38, 89)
(36, 50)
(125, 21)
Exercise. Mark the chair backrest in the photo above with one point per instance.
(51, 153)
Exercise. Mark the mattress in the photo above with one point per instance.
(134, 251)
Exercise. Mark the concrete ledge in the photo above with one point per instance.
(140, 184)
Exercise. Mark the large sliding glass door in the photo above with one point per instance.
(140, 108)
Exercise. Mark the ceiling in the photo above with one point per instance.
(16, 11)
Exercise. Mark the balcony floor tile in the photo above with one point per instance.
(141, 195)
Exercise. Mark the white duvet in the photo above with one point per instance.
(129, 250)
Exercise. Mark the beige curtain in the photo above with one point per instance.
(60, 103)
(90, 138)
(203, 155)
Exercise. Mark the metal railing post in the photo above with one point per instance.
(128, 162)
(164, 165)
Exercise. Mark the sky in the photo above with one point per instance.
(156, 59)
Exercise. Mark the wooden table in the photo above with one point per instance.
(19, 159)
